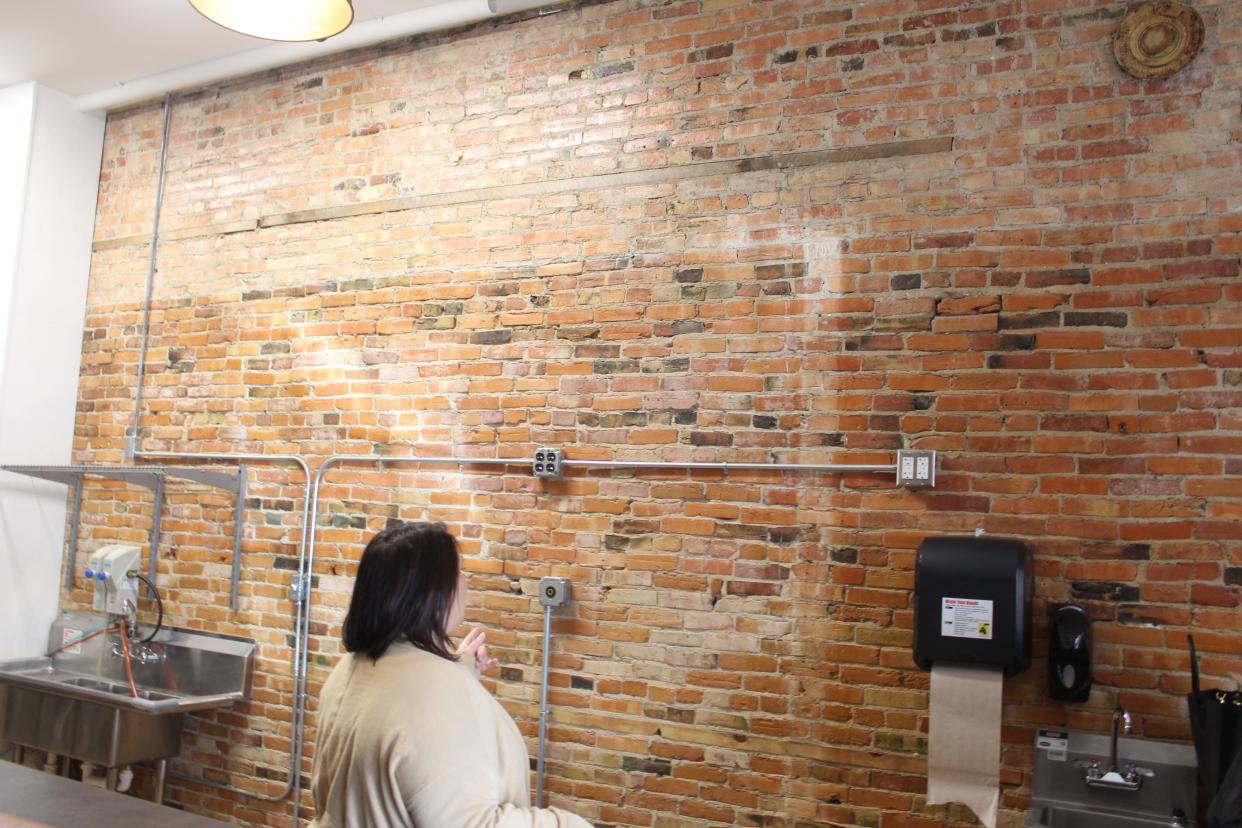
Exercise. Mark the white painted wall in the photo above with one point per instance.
(49, 177)
(17, 113)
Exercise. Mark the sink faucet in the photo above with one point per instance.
(1119, 715)
(138, 650)
(1112, 776)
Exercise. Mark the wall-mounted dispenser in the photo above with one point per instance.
(972, 627)
(972, 602)
(1069, 654)
(116, 591)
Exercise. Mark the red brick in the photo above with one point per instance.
(1215, 595)
(1059, 319)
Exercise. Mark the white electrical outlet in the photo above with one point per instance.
(916, 469)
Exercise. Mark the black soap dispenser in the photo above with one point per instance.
(1069, 654)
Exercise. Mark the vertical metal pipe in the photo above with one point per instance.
(161, 769)
(131, 439)
(239, 523)
(298, 626)
(157, 520)
(74, 526)
(306, 570)
(543, 705)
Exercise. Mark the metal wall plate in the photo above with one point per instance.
(547, 462)
(916, 469)
(554, 592)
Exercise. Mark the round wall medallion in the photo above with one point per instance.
(1158, 38)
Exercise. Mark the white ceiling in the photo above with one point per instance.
(81, 47)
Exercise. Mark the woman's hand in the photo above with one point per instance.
(474, 648)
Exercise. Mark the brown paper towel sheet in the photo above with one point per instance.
(963, 759)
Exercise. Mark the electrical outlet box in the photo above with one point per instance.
(116, 591)
(547, 462)
(916, 468)
(554, 592)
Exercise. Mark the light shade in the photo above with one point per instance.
(280, 19)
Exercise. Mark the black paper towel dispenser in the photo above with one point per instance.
(972, 602)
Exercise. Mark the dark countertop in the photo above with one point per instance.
(49, 800)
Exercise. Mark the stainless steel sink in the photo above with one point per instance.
(117, 689)
(1069, 817)
(44, 676)
(1062, 798)
(79, 702)
(185, 670)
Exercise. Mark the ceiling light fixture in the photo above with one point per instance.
(289, 20)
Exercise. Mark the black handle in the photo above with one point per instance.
(1194, 664)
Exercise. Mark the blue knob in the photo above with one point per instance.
(90, 574)
(102, 576)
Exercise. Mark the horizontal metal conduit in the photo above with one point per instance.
(305, 572)
(842, 468)
(302, 593)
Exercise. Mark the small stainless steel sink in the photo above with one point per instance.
(79, 702)
(1062, 798)
(42, 675)
(117, 689)
(1053, 816)
(187, 670)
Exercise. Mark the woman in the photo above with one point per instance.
(407, 734)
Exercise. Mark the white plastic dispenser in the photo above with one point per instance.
(116, 591)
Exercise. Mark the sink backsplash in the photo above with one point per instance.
(190, 663)
(1168, 771)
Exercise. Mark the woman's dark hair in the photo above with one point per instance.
(406, 583)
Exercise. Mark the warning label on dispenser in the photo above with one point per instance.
(966, 618)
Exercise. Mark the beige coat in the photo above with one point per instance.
(415, 740)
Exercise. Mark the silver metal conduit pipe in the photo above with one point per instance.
(307, 557)
(543, 705)
(305, 572)
(299, 626)
(135, 426)
(675, 464)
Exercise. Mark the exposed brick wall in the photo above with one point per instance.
(1044, 289)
